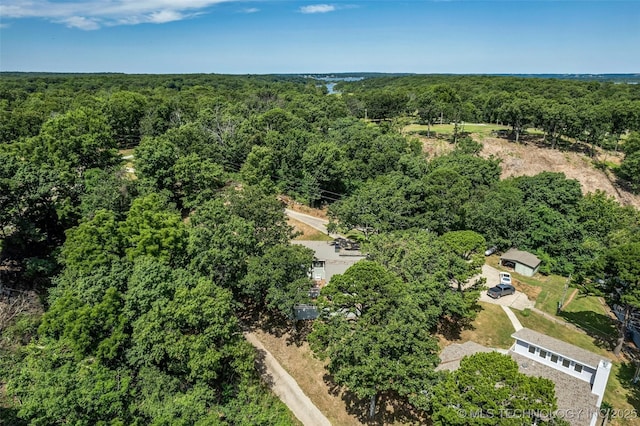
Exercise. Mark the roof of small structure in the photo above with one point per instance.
(559, 347)
(524, 257)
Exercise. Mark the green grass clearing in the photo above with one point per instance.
(584, 311)
(491, 328)
(588, 313)
(482, 129)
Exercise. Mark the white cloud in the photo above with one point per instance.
(251, 10)
(318, 8)
(163, 16)
(93, 14)
(80, 22)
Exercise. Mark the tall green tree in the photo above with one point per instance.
(74, 142)
(279, 278)
(373, 334)
(125, 111)
(485, 388)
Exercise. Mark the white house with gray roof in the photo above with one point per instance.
(580, 376)
(568, 359)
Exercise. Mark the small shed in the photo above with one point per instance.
(522, 262)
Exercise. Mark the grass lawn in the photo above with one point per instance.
(620, 392)
(491, 328)
(588, 313)
(584, 311)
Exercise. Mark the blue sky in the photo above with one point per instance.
(276, 36)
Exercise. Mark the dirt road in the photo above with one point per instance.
(285, 387)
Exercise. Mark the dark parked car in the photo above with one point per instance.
(501, 290)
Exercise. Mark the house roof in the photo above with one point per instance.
(559, 347)
(576, 402)
(523, 257)
(451, 355)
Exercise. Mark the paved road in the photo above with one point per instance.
(286, 388)
(312, 221)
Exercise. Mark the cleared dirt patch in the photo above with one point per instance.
(531, 291)
(528, 159)
(301, 208)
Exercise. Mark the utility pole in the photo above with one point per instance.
(365, 114)
(564, 294)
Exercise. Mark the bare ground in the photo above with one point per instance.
(301, 208)
(528, 159)
(531, 156)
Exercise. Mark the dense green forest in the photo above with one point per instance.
(146, 267)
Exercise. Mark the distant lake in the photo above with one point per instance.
(331, 81)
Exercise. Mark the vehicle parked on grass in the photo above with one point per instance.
(501, 290)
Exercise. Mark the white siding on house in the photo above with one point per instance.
(586, 374)
(600, 380)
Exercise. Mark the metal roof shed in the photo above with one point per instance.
(524, 263)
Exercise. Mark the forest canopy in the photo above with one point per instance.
(143, 213)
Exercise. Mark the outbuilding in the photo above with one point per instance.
(522, 262)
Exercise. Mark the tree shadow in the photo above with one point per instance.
(600, 327)
(9, 416)
(261, 367)
(298, 334)
(452, 327)
(625, 377)
(390, 408)
(252, 318)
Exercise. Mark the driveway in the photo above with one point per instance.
(518, 300)
(312, 221)
(285, 387)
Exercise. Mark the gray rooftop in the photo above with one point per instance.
(335, 262)
(574, 395)
(451, 355)
(522, 257)
(567, 350)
